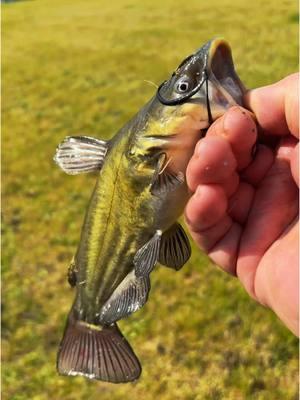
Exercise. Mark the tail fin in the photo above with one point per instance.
(96, 353)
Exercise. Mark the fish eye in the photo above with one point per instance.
(182, 86)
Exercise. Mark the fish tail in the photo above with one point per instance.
(96, 352)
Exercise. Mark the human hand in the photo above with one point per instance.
(244, 209)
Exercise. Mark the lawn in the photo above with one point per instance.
(72, 67)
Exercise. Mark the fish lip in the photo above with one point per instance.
(220, 66)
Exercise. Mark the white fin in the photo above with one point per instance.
(79, 154)
(129, 296)
(175, 247)
(147, 256)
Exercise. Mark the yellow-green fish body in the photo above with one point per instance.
(123, 213)
(130, 224)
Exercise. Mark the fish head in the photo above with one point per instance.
(201, 89)
(205, 81)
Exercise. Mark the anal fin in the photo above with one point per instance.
(128, 297)
(132, 292)
(175, 247)
(97, 353)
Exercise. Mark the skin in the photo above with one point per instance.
(243, 211)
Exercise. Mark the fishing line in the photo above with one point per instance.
(179, 100)
(210, 119)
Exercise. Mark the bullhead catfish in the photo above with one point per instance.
(131, 221)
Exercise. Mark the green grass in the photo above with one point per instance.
(79, 66)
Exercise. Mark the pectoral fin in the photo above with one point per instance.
(130, 296)
(78, 154)
(165, 180)
(175, 248)
(147, 256)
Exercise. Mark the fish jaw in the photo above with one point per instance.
(225, 89)
(207, 78)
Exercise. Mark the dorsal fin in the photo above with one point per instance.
(79, 154)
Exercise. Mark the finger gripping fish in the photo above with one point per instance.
(130, 224)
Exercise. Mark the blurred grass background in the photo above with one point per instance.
(72, 67)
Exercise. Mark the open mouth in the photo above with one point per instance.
(221, 71)
(207, 78)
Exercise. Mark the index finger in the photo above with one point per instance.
(276, 106)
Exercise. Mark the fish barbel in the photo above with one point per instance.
(130, 224)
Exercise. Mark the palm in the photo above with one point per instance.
(276, 277)
(267, 258)
(243, 212)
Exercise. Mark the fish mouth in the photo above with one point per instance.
(225, 88)
(209, 79)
